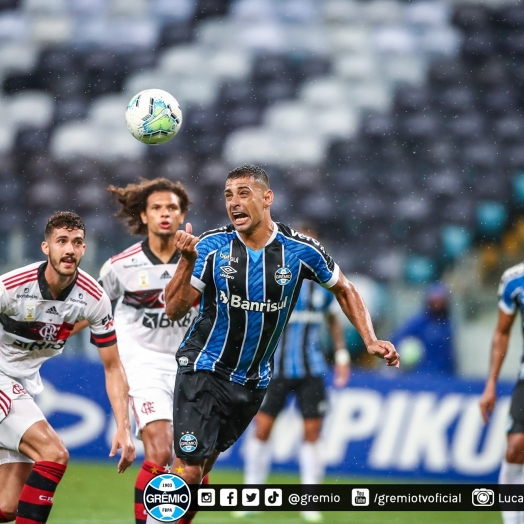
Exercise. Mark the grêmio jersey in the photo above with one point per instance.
(511, 296)
(34, 326)
(247, 299)
(298, 354)
(136, 279)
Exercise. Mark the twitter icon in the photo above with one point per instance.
(250, 497)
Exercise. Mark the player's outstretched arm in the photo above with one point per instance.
(117, 391)
(180, 294)
(499, 348)
(355, 309)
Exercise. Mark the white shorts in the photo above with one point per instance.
(7, 456)
(18, 413)
(151, 404)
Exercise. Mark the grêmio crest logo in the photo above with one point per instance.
(252, 305)
(167, 498)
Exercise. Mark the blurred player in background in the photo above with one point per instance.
(511, 299)
(136, 279)
(39, 306)
(300, 368)
(248, 276)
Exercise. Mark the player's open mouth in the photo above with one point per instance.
(165, 225)
(239, 218)
(68, 261)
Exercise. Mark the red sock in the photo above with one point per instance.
(148, 471)
(189, 520)
(3, 517)
(37, 494)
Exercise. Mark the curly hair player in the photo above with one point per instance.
(136, 279)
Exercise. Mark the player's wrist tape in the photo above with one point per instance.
(342, 357)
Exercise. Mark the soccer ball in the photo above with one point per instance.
(153, 116)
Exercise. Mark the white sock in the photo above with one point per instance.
(311, 464)
(511, 474)
(151, 520)
(257, 461)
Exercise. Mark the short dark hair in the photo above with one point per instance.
(64, 219)
(249, 170)
(133, 200)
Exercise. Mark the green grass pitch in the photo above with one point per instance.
(96, 494)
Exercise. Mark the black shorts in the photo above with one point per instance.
(210, 413)
(516, 409)
(310, 393)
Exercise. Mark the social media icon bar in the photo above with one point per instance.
(360, 497)
(273, 497)
(250, 497)
(206, 497)
(228, 497)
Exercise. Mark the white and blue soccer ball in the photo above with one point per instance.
(153, 116)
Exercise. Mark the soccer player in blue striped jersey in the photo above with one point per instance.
(248, 277)
(511, 300)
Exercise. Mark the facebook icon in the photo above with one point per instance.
(228, 497)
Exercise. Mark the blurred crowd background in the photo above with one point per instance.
(395, 125)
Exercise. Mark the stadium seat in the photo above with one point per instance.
(51, 29)
(341, 11)
(351, 38)
(14, 26)
(382, 12)
(491, 218)
(455, 241)
(518, 188)
(30, 109)
(419, 270)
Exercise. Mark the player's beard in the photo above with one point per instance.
(55, 264)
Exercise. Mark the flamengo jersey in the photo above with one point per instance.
(511, 296)
(247, 299)
(137, 279)
(298, 354)
(35, 326)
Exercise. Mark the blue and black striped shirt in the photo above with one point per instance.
(247, 299)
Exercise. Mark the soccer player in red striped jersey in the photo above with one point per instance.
(136, 280)
(39, 306)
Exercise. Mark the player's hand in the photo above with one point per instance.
(185, 242)
(487, 402)
(342, 373)
(385, 350)
(122, 440)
